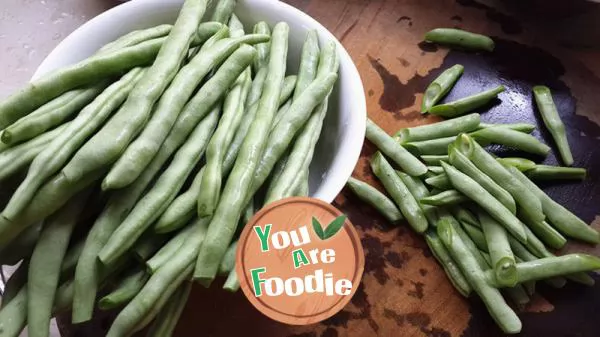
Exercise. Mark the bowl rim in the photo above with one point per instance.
(349, 148)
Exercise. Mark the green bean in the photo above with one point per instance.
(435, 169)
(88, 71)
(13, 315)
(168, 250)
(285, 100)
(556, 266)
(87, 273)
(506, 319)
(223, 11)
(93, 155)
(517, 294)
(546, 172)
(289, 125)
(478, 194)
(434, 159)
(440, 182)
(70, 260)
(167, 319)
(208, 196)
(309, 62)
(20, 247)
(219, 143)
(448, 128)
(440, 86)
(399, 192)
(521, 164)
(154, 202)
(160, 286)
(139, 153)
(51, 114)
(525, 255)
(465, 165)
(437, 146)
(460, 38)
(547, 234)
(566, 222)
(184, 207)
(145, 247)
(137, 36)
(551, 118)
(465, 216)
(234, 196)
(232, 283)
(287, 180)
(391, 148)
(263, 49)
(45, 264)
(249, 212)
(445, 198)
(523, 196)
(257, 87)
(582, 278)
(418, 190)
(376, 199)
(503, 260)
(53, 157)
(452, 271)
(228, 262)
(483, 260)
(54, 194)
(14, 284)
(511, 138)
(477, 236)
(464, 105)
(126, 290)
(522, 127)
(20, 156)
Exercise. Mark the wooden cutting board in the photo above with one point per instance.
(404, 292)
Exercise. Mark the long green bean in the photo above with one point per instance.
(434, 159)
(234, 196)
(51, 114)
(18, 157)
(551, 118)
(391, 148)
(167, 319)
(525, 255)
(479, 195)
(54, 156)
(476, 235)
(464, 105)
(263, 49)
(223, 11)
(104, 65)
(465, 216)
(309, 62)
(232, 283)
(566, 222)
(14, 284)
(522, 127)
(399, 192)
(522, 195)
(438, 146)
(168, 250)
(376, 199)
(139, 153)
(45, 264)
(445, 198)
(440, 86)
(440, 182)
(511, 138)
(127, 289)
(506, 319)
(419, 190)
(154, 202)
(228, 262)
(448, 128)
(483, 259)
(137, 36)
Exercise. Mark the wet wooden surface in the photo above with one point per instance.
(404, 292)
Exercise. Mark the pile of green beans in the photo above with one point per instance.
(486, 222)
(122, 133)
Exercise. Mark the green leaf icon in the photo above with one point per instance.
(334, 226)
(317, 228)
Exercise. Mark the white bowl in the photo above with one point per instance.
(343, 132)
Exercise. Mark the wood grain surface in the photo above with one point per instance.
(404, 292)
